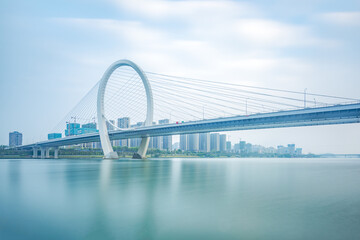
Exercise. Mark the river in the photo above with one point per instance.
(180, 198)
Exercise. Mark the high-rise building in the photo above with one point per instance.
(193, 142)
(242, 145)
(222, 142)
(157, 142)
(87, 128)
(152, 142)
(166, 140)
(237, 147)
(228, 146)
(124, 123)
(72, 129)
(248, 148)
(150, 146)
(184, 142)
(291, 149)
(135, 142)
(215, 142)
(109, 126)
(204, 142)
(15, 139)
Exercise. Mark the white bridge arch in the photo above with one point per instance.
(103, 132)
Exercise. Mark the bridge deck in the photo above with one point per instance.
(338, 114)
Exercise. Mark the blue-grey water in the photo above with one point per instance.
(180, 199)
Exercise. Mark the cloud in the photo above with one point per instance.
(222, 22)
(160, 9)
(188, 38)
(274, 33)
(133, 31)
(251, 54)
(342, 18)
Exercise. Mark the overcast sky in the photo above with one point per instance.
(53, 52)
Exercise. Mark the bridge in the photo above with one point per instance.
(126, 88)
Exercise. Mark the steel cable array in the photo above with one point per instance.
(185, 99)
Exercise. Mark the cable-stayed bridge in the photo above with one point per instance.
(127, 94)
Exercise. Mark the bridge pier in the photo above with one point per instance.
(47, 151)
(141, 154)
(35, 152)
(56, 153)
(42, 156)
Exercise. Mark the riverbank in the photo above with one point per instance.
(183, 156)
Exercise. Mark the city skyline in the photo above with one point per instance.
(198, 142)
(281, 45)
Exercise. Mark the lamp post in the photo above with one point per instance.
(246, 106)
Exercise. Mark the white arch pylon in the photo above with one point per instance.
(103, 132)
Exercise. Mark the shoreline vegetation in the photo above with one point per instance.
(125, 152)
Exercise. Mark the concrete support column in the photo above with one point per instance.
(47, 150)
(56, 153)
(35, 152)
(141, 154)
(42, 153)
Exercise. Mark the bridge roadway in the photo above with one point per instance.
(337, 114)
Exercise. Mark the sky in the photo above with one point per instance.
(53, 53)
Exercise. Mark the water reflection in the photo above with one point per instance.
(179, 199)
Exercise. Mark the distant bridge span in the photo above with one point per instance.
(337, 114)
(333, 114)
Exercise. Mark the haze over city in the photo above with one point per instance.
(54, 52)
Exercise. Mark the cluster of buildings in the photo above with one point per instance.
(197, 142)
(75, 129)
(290, 149)
(247, 148)
(204, 142)
(161, 142)
(215, 142)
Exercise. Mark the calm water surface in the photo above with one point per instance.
(180, 199)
